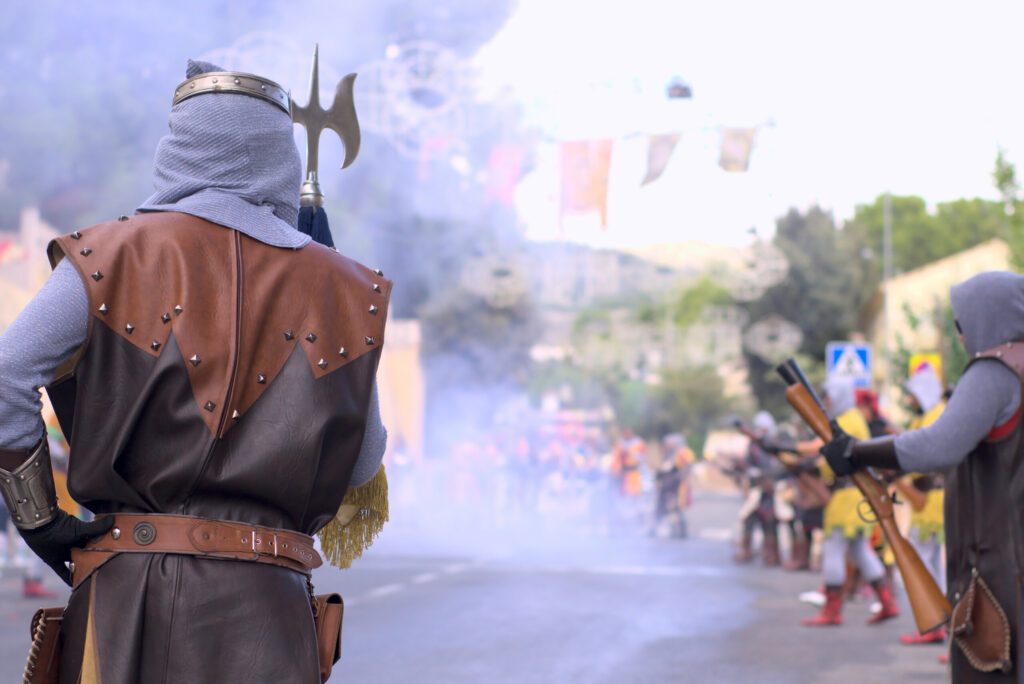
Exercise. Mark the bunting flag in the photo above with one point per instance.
(585, 167)
(504, 168)
(737, 143)
(659, 151)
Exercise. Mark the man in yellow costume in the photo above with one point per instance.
(846, 532)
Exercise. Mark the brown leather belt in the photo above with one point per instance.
(188, 535)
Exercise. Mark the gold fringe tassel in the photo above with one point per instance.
(359, 520)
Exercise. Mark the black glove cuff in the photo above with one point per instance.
(879, 452)
(28, 490)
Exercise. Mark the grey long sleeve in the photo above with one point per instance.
(987, 395)
(46, 333)
(50, 329)
(375, 440)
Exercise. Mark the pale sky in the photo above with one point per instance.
(861, 97)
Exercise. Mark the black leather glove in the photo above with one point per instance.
(53, 542)
(838, 453)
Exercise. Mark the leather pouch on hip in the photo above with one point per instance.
(43, 665)
(329, 612)
(980, 628)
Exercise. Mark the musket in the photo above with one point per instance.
(930, 606)
(340, 117)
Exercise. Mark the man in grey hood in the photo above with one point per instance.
(214, 373)
(978, 441)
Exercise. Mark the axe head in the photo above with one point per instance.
(340, 117)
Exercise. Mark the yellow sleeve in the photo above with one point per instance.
(923, 421)
(853, 424)
(933, 415)
(827, 474)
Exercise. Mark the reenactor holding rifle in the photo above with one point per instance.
(978, 440)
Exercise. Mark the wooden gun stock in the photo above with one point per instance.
(930, 606)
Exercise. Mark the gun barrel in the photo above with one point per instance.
(793, 374)
(786, 371)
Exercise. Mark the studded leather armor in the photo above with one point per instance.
(224, 378)
(984, 526)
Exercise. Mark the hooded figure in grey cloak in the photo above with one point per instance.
(978, 442)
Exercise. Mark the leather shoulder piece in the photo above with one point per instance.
(1010, 354)
(155, 273)
(236, 307)
(333, 308)
(140, 270)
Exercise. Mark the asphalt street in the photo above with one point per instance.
(561, 604)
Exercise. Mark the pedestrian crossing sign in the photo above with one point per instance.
(851, 360)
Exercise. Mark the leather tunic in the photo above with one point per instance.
(223, 378)
(984, 513)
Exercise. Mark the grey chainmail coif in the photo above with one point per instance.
(231, 159)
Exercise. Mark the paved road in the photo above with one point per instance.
(566, 605)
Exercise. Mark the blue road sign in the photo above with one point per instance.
(849, 359)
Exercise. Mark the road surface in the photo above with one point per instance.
(578, 605)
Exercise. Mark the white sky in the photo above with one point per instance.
(914, 97)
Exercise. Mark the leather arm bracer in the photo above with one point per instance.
(28, 489)
(877, 452)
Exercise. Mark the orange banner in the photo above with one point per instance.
(585, 167)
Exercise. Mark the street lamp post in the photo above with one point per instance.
(886, 277)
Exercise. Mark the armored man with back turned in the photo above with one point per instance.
(979, 442)
(214, 371)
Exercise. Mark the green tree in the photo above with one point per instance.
(920, 237)
(691, 303)
(822, 294)
(1005, 177)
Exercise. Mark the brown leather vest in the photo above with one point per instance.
(221, 377)
(984, 518)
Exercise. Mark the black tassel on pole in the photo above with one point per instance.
(313, 222)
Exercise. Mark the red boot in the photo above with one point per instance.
(831, 613)
(890, 608)
(33, 588)
(936, 636)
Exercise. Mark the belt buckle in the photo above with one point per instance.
(272, 540)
